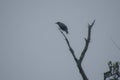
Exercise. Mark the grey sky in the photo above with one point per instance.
(32, 48)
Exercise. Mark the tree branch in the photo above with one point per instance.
(87, 41)
(70, 48)
(115, 44)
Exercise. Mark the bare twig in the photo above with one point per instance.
(115, 44)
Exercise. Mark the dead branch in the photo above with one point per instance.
(87, 41)
(115, 44)
(70, 48)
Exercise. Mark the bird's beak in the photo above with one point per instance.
(56, 23)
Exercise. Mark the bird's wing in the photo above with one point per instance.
(64, 26)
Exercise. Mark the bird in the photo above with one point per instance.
(62, 26)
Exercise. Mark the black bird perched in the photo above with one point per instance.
(62, 26)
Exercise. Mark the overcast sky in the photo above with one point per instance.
(32, 48)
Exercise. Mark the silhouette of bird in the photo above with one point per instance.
(62, 26)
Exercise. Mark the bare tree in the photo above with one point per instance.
(79, 61)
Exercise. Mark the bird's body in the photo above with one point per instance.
(62, 26)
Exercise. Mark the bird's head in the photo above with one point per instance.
(57, 23)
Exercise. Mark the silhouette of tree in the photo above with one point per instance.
(79, 61)
(113, 73)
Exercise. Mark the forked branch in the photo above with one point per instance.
(79, 61)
